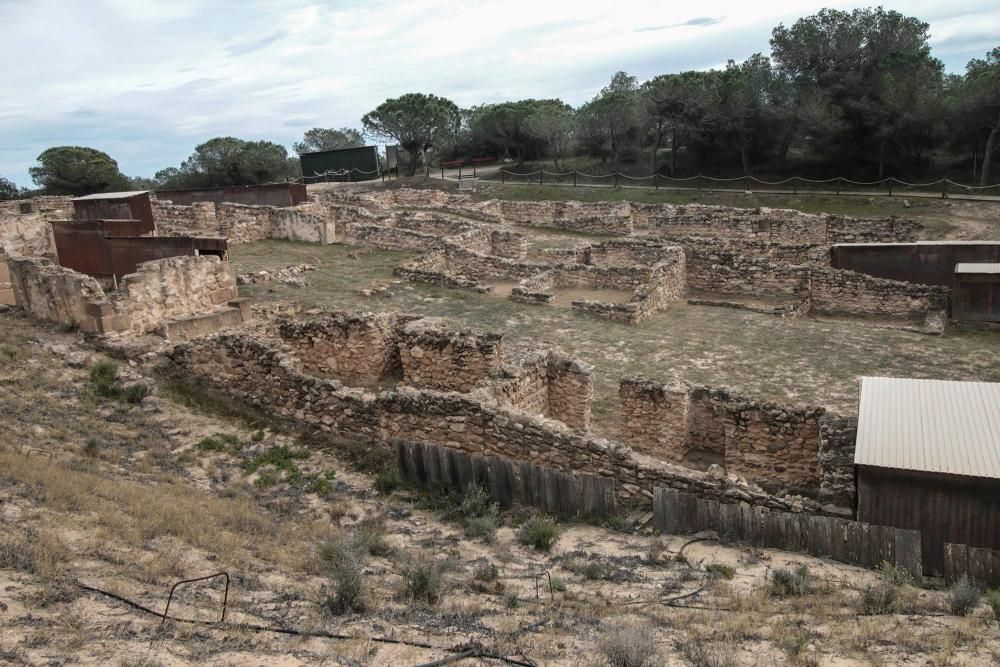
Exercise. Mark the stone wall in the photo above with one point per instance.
(721, 270)
(247, 369)
(773, 445)
(6, 288)
(840, 292)
(159, 293)
(434, 356)
(358, 349)
(243, 223)
(195, 220)
(836, 459)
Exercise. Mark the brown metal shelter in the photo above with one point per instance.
(924, 262)
(134, 205)
(976, 293)
(273, 194)
(928, 458)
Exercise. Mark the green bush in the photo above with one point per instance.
(257, 436)
(422, 581)
(369, 537)
(511, 601)
(104, 379)
(387, 480)
(344, 568)
(485, 571)
(484, 527)
(134, 393)
(539, 532)
(786, 582)
(895, 575)
(964, 596)
(319, 485)
(720, 571)
(281, 457)
(993, 600)
(93, 446)
(879, 599)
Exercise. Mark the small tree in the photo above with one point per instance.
(415, 120)
(9, 190)
(329, 139)
(76, 170)
(554, 125)
(611, 120)
(981, 103)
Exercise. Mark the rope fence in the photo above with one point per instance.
(891, 186)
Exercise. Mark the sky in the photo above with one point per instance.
(147, 80)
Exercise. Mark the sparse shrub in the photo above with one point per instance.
(344, 568)
(539, 532)
(319, 485)
(93, 446)
(369, 537)
(964, 596)
(104, 379)
(879, 599)
(210, 444)
(895, 575)
(701, 654)
(558, 584)
(628, 643)
(387, 480)
(134, 393)
(993, 600)
(422, 581)
(786, 582)
(511, 601)
(795, 642)
(70, 326)
(485, 571)
(281, 457)
(593, 568)
(476, 503)
(657, 547)
(720, 571)
(257, 436)
(266, 479)
(7, 353)
(483, 526)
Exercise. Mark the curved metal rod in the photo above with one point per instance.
(225, 597)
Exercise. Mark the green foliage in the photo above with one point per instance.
(328, 139)
(134, 393)
(415, 120)
(76, 170)
(220, 442)
(720, 571)
(964, 596)
(104, 377)
(485, 571)
(422, 580)
(896, 576)
(8, 190)
(511, 601)
(343, 566)
(319, 485)
(257, 436)
(93, 446)
(369, 537)
(225, 161)
(279, 456)
(785, 582)
(993, 600)
(387, 480)
(539, 532)
(558, 584)
(879, 599)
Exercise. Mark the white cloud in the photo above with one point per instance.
(146, 80)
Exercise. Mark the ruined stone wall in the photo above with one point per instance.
(842, 292)
(241, 367)
(512, 245)
(665, 282)
(50, 292)
(773, 445)
(801, 254)
(160, 291)
(838, 435)
(358, 349)
(27, 235)
(436, 357)
(724, 271)
(629, 253)
(389, 238)
(195, 220)
(306, 223)
(432, 268)
(6, 287)
(173, 288)
(243, 223)
(570, 391)
(613, 219)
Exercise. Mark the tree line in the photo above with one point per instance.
(853, 93)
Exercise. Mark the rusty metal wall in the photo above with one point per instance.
(137, 207)
(279, 194)
(944, 508)
(925, 263)
(82, 247)
(976, 298)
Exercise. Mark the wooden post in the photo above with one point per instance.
(473, 171)
(541, 175)
(748, 184)
(442, 173)
(459, 172)
(838, 185)
(501, 176)
(890, 186)
(616, 180)
(944, 188)
(574, 178)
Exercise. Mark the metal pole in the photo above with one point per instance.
(748, 183)
(442, 173)
(474, 171)
(838, 185)
(574, 178)
(944, 188)
(656, 183)
(541, 175)
(890, 186)
(501, 176)
(616, 180)
(459, 172)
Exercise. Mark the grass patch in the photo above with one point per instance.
(993, 600)
(105, 383)
(343, 566)
(964, 596)
(279, 456)
(422, 580)
(786, 583)
(720, 571)
(539, 532)
(220, 442)
(628, 643)
(894, 575)
(387, 480)
(879, 599)
(93, 446)
(369, 537)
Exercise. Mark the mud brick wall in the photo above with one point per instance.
(195, 220)
(772, 445)
(724, 271)
(173, 288)
(246, 369)
(435, 357)
(355, 348)
(841, 292)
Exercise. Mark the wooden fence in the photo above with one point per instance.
(565, 494)
(982, 565)
(840, 539)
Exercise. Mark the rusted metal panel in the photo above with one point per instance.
(275, 194)
(82, 248)
(116, 206)
(944, 508)
(925, 262)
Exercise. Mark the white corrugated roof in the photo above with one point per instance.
(112, 195)
(913, 243)
(930, 425)
(977, 267)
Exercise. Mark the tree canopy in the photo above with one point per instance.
(76, 170)
(328, 139)
(9, 190)
(415, 120)
(226, 161)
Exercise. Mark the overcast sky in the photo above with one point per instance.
(147, 80)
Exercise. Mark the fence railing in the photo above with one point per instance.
(944, 187)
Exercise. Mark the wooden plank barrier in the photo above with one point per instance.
(676, 512)
(980, 565)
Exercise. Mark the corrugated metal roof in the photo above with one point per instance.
(977, 267)
(930, 425)
(112, 195)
